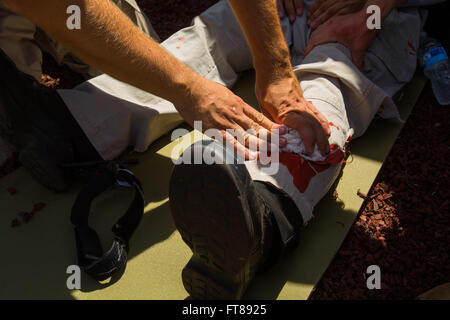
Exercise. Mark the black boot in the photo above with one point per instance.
(231, 223)
(40, 127)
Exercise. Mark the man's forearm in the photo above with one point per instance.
(277, 88)
(109, 41)
(260, 23)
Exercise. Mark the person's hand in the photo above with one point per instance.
(283, 101)
(349, 30)
(219, 108)
(322, 10)
(290, 8)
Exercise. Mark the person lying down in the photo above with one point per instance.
(237, 219)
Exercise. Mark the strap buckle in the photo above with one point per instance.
(90, 254)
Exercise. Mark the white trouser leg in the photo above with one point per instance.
(346, 97)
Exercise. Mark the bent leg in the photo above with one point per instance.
(348, 98)
(306, 181)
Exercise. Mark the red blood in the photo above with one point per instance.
(12, 191)
(333, 125)
(15, 223)
(411, 46)
(38, 206)
(303, 170)
(10, 164)
(26, 217)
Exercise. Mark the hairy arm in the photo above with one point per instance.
(261, 26)
(277, 87)
(109, 41)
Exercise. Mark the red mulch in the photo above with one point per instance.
(404, 226)
(169, 16)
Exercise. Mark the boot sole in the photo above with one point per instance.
(210, 209)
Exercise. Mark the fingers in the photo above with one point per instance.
(320, 36)
(252, 132)
(266, 124)
(316, 9)
(313, 7)
(309, 139)
(239, 147)
(322, 10)
(280, 8)
(262, 120)
(255, 136)
(290, 10)
(310, 130)
(322, 140)
(311, 45)
(321, 118)
(324, 14)
(298, 7)
(247, 144)
(344, 10)
(248, 138)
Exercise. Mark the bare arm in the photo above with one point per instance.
(109, 41)
(277, 87)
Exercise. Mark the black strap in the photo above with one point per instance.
(90, 254)
(286, 218)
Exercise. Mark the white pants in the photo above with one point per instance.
(115, 115)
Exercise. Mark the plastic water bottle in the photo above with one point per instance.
(436, 67)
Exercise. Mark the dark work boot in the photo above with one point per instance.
(229, 222)
(40, 127)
